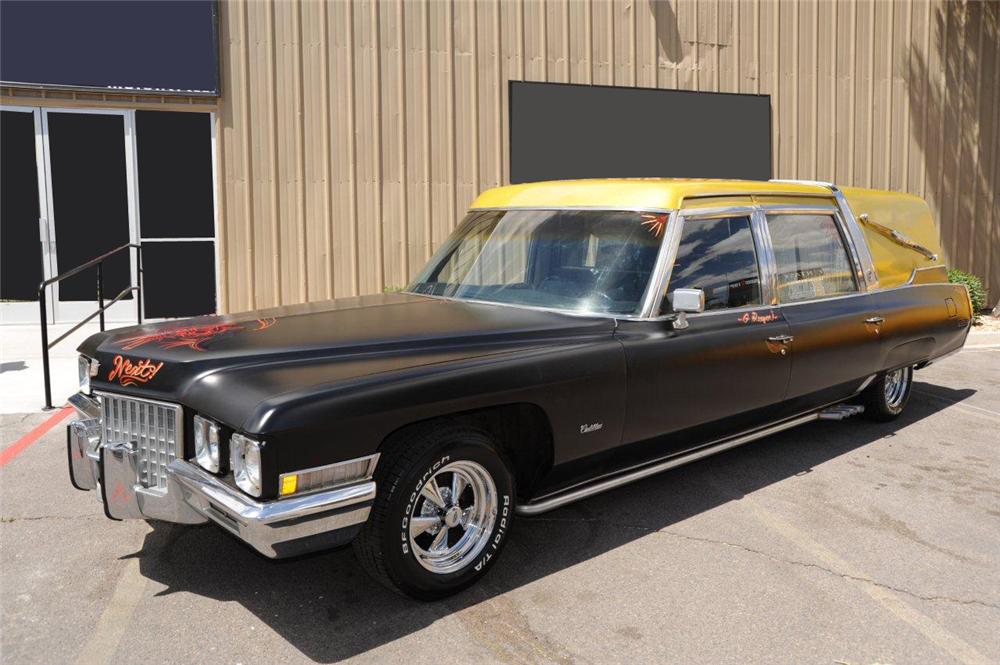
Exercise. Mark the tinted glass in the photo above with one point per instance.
(718, 257)
(178, 278)
(20, 249)
(811, 259)
(174, 161)
(90, 200)
(582, 260)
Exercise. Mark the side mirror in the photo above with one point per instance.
(684, 302)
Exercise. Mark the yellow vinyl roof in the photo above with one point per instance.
(630, 193)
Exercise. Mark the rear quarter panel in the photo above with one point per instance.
(922, 322)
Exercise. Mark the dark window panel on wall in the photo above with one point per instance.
(560, 131)
(90, 200)
(140, 45)
(174, 162)
(21, 269)
(178, 278)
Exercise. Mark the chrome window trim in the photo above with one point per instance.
(859, 241)
(827, 299)
(853, 226)
(798, 210)
(660, 276)
(765, 256)
(718, 213)
(860, 283)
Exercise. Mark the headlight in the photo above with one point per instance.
(206, 444)
(244, 455)
(86, 368)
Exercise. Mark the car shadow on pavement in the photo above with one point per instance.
(326, 607)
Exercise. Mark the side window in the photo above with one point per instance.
(811, 258)
(718, 257)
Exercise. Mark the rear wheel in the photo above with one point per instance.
(444, 506)
(888, 394)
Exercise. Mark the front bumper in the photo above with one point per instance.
(281, 528)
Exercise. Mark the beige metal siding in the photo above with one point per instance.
(354, 134)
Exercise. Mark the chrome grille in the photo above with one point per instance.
(154, 426)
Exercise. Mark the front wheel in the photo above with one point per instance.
(444, 507)
(888, 394)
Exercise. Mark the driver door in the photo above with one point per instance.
(727, 371)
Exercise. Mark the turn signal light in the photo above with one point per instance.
(289, 484)
(326, 477)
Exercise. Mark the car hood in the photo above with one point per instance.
(227, 364)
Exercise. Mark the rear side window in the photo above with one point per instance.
(718, 256)
(811, 257)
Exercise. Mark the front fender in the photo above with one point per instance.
(579, 386)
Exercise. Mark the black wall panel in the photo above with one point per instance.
(178, 278)
(132, 44)
(560, 131)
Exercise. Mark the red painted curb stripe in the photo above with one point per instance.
(15, 449)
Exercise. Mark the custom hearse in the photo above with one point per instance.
(569, 337)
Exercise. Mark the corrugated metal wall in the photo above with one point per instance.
(354, 134)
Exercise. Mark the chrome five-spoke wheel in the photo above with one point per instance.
(452, 520)
(896, 384)
(444, 507)
(886, 397)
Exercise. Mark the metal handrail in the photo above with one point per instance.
(101, 307)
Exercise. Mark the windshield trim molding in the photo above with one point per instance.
(657, 281)
(584, 313)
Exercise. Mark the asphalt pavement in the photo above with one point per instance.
(836, 542)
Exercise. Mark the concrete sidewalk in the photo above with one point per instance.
(21, 384)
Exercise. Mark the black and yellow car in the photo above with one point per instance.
(568, 338)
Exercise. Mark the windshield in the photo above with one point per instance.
(579, 260)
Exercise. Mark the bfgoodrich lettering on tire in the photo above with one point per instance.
(442, 514)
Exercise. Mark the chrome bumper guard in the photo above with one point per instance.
(285, 527)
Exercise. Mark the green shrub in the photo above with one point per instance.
(976, 291)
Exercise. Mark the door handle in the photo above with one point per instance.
(781, 339)
(875, 320)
